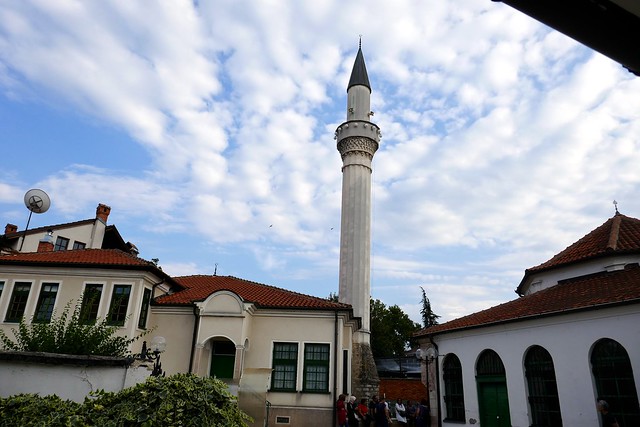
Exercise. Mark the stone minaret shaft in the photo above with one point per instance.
(358, 141)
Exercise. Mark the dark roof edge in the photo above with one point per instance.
(532, 317)
(532, 271)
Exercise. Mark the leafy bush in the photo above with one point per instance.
(178, 400)
(68, 337)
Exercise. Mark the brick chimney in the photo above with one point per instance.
(10, 228)
(102, 212)
(46, 243)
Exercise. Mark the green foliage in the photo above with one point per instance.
(391, 330)
(66, 335)
(178, 400)
(429, 318)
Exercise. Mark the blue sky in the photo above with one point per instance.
(208, 128)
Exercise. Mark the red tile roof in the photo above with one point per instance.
(619, 234)
(199, 287)
(579, 293)
(101, 258)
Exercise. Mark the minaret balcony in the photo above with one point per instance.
(360, 128)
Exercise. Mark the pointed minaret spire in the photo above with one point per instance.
(358, 140)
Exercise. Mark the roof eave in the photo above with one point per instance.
(530, 317)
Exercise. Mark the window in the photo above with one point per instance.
(543, 390)
(61, 244)
(316, 368)
(46, 301)
(453, 392)
(1, 287)
(613, 374)
(79, 245)
(18, 302)
(285, 361)
(119, 304)
(90, 303)
(144, 310)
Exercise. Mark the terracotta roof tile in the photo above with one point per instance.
(101, 258)
(199, 287)
(590, 291)
(619, 234)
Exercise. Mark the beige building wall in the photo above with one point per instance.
(71, 284)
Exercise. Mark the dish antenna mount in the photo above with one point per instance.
(36, 201)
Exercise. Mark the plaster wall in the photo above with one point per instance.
(67, 381)
(569, 339)
(84, 233)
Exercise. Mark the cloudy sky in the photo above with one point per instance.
(208, 126)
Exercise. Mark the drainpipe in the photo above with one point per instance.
(194, 339)
(335, 364)
(433, 343)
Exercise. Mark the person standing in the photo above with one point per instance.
(423, 416)
(352, 414)
(401, 413)
(363, 412)
(383, 417)
(373, 405)
(608, 420)
(341, 411)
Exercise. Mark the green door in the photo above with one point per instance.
(494, 404)
(223, 359)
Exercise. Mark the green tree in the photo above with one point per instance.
(429, 318)
(391, 330)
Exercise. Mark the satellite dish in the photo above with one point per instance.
(37, 201)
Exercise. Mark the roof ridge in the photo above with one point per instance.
(614, 232)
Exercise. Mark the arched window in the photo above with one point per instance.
(489, 364)
(493, 398)
(613, 376)
(453, 395)
(543, 391)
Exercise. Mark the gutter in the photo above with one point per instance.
(433, 343)
(335, 363)
(194, 339)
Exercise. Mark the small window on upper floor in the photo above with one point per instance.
(79, 245)
(119, 304)
(1, 287)
(62, 243)
(18, 302)
(46, 302)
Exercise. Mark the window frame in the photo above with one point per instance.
(453, 380)
(283, 365)
(62, 244)
(2, 283)
(16, 309)
(46, 302)
(144, 309)
(311, 363)
(542, 388)
(118, 313)
(79, 245)
(87, 316)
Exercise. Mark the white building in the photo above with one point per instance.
(544, 358)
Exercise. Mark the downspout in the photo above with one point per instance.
(194, 339)
(433, 343)
(335, 363)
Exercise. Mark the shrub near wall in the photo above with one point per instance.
(179, 400)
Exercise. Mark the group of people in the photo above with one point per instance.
(378, 413)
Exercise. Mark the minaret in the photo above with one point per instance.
(358, 141)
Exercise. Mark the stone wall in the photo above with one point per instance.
(364, 375)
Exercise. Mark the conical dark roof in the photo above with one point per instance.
(359, 73)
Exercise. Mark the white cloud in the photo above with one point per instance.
(503, 141)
